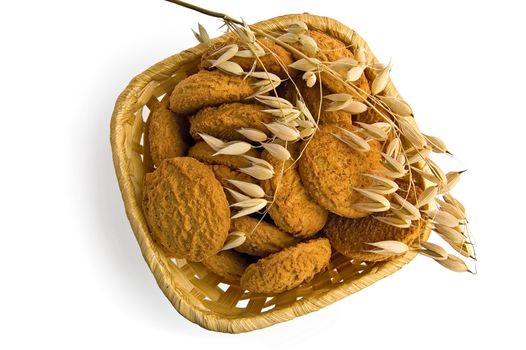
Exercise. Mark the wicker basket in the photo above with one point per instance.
(201, 296)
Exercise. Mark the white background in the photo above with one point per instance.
(72, 275)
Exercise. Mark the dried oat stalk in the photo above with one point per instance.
(406, 151)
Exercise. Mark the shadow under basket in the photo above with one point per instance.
(197, 294)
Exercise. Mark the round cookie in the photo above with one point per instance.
(272, 63)
(209, 88)
(227, 264)
(330, 169)
(168, 135)
(293, 210)
(204, 153)
(288, 268)
(350, 236)
(224, 121)
(264, 240)
(186, 209)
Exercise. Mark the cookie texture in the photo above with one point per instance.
(350, 236)
(288, 268)
(265, 239)
(205, 153)
(293, 210)
(186, 209)
(224, 121)
(208, 88)
(168, 135)
(276, 63)
(227, 264)
(330, 170)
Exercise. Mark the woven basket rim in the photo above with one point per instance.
(180, 298)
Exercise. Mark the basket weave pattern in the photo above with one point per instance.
(196, 293)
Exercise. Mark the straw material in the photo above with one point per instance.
(197, 294)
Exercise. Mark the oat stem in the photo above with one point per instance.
(223, 16)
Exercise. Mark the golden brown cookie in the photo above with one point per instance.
(205, 153)
(293, 210)
(288, 268)
(186, 208)
(330, 169)
(330, 50)
(350, 236)
(227, 264)
(273, 63)
(168, 135)
(264, 240)
(209, 88)
(224, 121)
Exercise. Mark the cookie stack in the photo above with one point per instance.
(195, 196)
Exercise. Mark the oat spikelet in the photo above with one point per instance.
(277, 151)
(433, 251)
(353, 140)
(258, 172)
(437, 145)
(371, 207)
(257, 204)
(389, 248)
(248, 188)
(234, 148)
(376, 131)
(355, 73)
(202, 36)
(448, 198)
(411, 132)
(283, 132)
(454, 264)
(373, 196)
(382, 185)
(226, 53)
(444, 218)
(234, 239)
(407, 208)
(310, 78)
(274, 102)
(393, 148)
(305, 65)
(397, 105)
(253, 134)
(393, 165)
(231, 68)
(259, 161)
(214, 143)
(381, 80)
(452, 209)
(238, 197)
(394, 221)
(449, 234)
(427, 196)
(453, 177)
